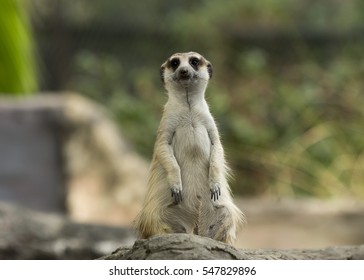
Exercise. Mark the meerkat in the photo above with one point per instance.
(188, 190)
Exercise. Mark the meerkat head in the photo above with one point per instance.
(186, 71)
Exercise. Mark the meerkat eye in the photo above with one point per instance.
(174, 63)
(194, 61)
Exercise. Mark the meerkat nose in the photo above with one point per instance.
(184, 73)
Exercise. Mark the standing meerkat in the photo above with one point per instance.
(188, 190)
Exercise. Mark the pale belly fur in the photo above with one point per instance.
(191, 146)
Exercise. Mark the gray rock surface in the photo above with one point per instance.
(192, 247)
(31, 171)
(63, 153)
(27, 234)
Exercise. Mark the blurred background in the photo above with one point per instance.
(287, 95)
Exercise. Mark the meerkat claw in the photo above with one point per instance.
(215, 190)
(176, 194)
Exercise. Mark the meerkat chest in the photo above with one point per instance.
(191, 138)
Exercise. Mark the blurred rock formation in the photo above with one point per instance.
(63, 153)
(28, 234)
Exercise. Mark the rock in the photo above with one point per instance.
(107, 177)
(193, 247)
(63, 153)
(27, 234)
(31, 170)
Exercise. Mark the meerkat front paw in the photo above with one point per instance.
(215, 189)
(176, 190)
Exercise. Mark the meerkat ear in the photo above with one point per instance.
(161, 72)
(209, 69)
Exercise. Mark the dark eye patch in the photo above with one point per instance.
(194, 62)
(174, 63)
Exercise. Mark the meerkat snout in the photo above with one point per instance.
(184, 74)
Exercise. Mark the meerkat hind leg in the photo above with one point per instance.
(179, 219)
(220, 224)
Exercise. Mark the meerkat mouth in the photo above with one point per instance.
(183, 77)
(186, 78)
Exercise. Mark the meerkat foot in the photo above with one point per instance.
(215, 189)
(176, 191)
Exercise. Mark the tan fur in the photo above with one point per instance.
(187, 189)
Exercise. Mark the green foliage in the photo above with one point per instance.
(291, 116)
(99, 77)
(17, 64)
(300, 133)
